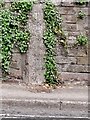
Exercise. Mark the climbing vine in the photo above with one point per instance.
(81, 14)
(14, 31)
(81, 2)
(81, 40)
(53, 29)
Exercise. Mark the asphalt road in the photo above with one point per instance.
(10, 108)
(46, 118)
(67, 102)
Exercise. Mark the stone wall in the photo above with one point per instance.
(72, 66)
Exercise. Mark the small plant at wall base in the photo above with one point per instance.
(81, 15)
(53, 28)
(81, 40)
(14, 32)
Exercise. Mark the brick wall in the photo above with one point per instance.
(72, 66)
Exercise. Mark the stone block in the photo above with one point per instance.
(65, 60)
(0, 73)
(76, 68)
(56, 2)
(74, 34)
(68, 3)
(69, 27)
(89, 68)
(7, 1)
(82, 24)
(82, 60)
(69, 18)
(72, 68)
(89, 11)
(87, 32)
(78, 52)
(16, 66)
(16, 61)
(60, 50)
(71, 40)
(15, 73)
(74, 76)
(66, 10)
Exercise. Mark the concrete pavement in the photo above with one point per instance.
(61, 102)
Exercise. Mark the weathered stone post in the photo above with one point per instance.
(35, 54)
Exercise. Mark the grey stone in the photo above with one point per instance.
(69, 18)
(15, 73)
(69, 27)
(74, 76)
(82, 60)
(74, 34)
(81, 25)
(72, 68)
(75, 68)
(0, 73)
(65, 60)
(68, 3)
(36, 49)
(16, 65)
(16, 61)
(78, 51)
(66, 10)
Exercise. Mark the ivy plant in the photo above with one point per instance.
(81, 40)
(81, 2)
(81, 14)
(53, 29)
(13, 31)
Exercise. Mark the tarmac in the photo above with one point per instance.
(63, 102)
